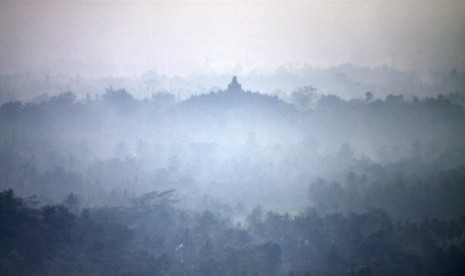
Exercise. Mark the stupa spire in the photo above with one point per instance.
(234, 86)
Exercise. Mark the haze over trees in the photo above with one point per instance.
(347, 81)
(234, 182)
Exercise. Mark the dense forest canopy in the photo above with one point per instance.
(228, 144)
(232, 137)
(233, 181)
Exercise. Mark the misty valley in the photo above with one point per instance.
(233, 182)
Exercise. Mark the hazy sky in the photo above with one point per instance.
(95, 38)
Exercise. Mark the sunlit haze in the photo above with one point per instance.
(115, 38)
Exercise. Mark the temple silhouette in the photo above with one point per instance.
(234, 86)
(237, 100)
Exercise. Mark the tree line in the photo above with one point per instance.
(153, 236)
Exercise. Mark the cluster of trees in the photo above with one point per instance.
(372, 186)
(153, 236)
(347, 81)
(232, 146)
(398, 190)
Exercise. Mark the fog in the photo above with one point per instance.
(232, 153)
(347, 81)
(227, 143)
(230, 138)
(100, 38)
